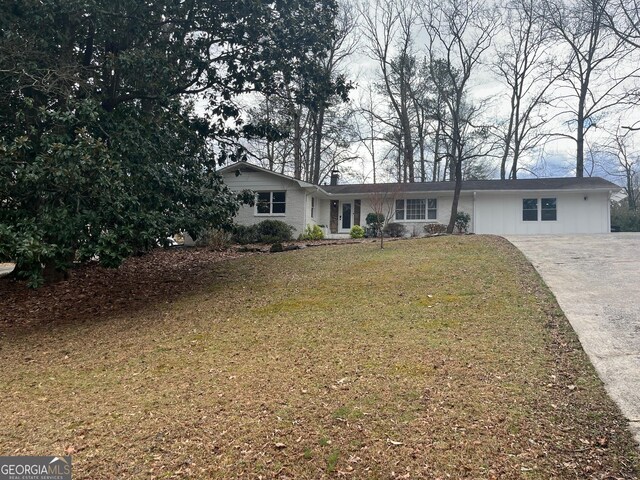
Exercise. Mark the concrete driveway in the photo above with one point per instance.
(596, 280)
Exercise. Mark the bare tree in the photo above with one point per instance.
(459, 33)
(383, 204)
(343, 46)
(625, 164)
(368, 126)
(389, 28)
(623, 18)
(525, 65)
(598, 63)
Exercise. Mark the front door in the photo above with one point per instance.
(346, 216)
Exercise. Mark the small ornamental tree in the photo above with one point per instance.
(383, 204)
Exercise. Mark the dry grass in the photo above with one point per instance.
(435, 358)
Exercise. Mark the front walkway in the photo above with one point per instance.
(596, 280)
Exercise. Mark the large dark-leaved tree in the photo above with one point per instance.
(114, 116)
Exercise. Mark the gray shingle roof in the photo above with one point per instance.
(568, 183)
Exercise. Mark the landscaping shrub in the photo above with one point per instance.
(276, 247)
(244, 234)
(267, 231)
(312, 232)
(356, 232)
(462, 222)
(375, 221)
(435, 228)
(627, 220)
(395, 229)
(274, 231)
(214, 239)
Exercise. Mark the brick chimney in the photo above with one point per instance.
(335, 175)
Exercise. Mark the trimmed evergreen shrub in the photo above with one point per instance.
(274, 231)
(276, 247)
(462, 222)
(395, 229)
(313, 232)
(375, 221)
(244, 234)
(356, 232)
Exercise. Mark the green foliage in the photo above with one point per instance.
(101, 152)
(462, 222)
(244, 234)
(628, 220)
(375, 222)
(332, 461)
(274, 231)
(313, 232)
(395, 229)
(276, 248)
(267, 231)
(356, 232)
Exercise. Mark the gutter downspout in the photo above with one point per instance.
(473, 209)
(306, 204)
(609, 211)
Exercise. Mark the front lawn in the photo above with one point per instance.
(433, 358)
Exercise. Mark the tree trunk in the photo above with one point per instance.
(436, 159)
(315, 179)
(580, 148)
(456, 198)
(297, 146)
(507, 144)
(456, 160)
(580, 132)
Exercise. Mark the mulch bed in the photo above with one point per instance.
(93, 292)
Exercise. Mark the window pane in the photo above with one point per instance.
(263, 203)
(548, 203)
(278, 208)
(279, 197)
(530, 209)
(399, 209)
(549, 211)
(432, 214)
(416, 209)
(548, 215)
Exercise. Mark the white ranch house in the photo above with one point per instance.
(527, 206)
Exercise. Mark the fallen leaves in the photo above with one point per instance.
(200, 376)
(93, 292)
